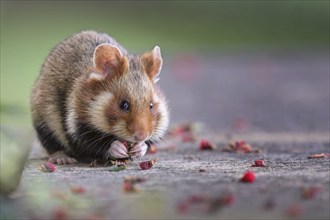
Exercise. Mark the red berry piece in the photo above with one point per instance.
(47, 167)
(146, 165)
(228, 199)
(183, 207)
(259, 163)
(60, 214)
(294, 210)
(78, 190)
(196, 199)
(310, 192)
(206, 145)
(129, 186)
(248, 177)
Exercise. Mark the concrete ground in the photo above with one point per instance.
(186, 182)
(276, 102)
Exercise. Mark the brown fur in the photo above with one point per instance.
(151, 65)
(73, 90)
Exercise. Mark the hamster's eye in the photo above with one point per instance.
(124, 105)
(151, 105)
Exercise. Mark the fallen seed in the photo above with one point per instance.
(240, 147)
(130, 181)
(146, 165)
(206, 145)
(47, 167)
(259, 163)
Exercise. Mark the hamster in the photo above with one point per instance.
(95, 101)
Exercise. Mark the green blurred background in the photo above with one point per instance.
(30, 29)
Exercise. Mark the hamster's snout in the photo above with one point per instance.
(139, 130)
(140, 135)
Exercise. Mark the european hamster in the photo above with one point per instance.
(94, 100)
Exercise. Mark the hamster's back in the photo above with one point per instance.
(73, 57)
(69, 60)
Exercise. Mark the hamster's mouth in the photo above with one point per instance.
(126, 143)
(129, 144)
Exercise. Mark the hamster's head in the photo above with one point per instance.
(122, 96)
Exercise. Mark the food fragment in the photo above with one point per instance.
(78, 189)
(146, 165)
(228, 199)
(93, 163)
(181, 129)
(188, 137)
(197, 198)
(60, 214)
(240, 147)
(201, 170)
(152, 149)
(47, 167)
(294, 210)
(186, 132)
(218, 203)
(129, 186)
(126, 143)
(259, 163)
(206, 145)
(130, 181)
(204, 203)
(111, 162)
(117, 168)
(182, 207)
(135, 179)
(122, 162)
(316, 156)
(248, 177)
(310, 192)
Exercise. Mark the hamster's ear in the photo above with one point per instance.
(108, 60)
(152, 63)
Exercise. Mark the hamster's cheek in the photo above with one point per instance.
(138, 150)
(117, 150)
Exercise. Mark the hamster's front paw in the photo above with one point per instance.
(118, 150)
(138, 150)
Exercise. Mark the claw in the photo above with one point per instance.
(138, 150)
(118, 150)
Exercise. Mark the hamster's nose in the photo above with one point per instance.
(140, 136)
